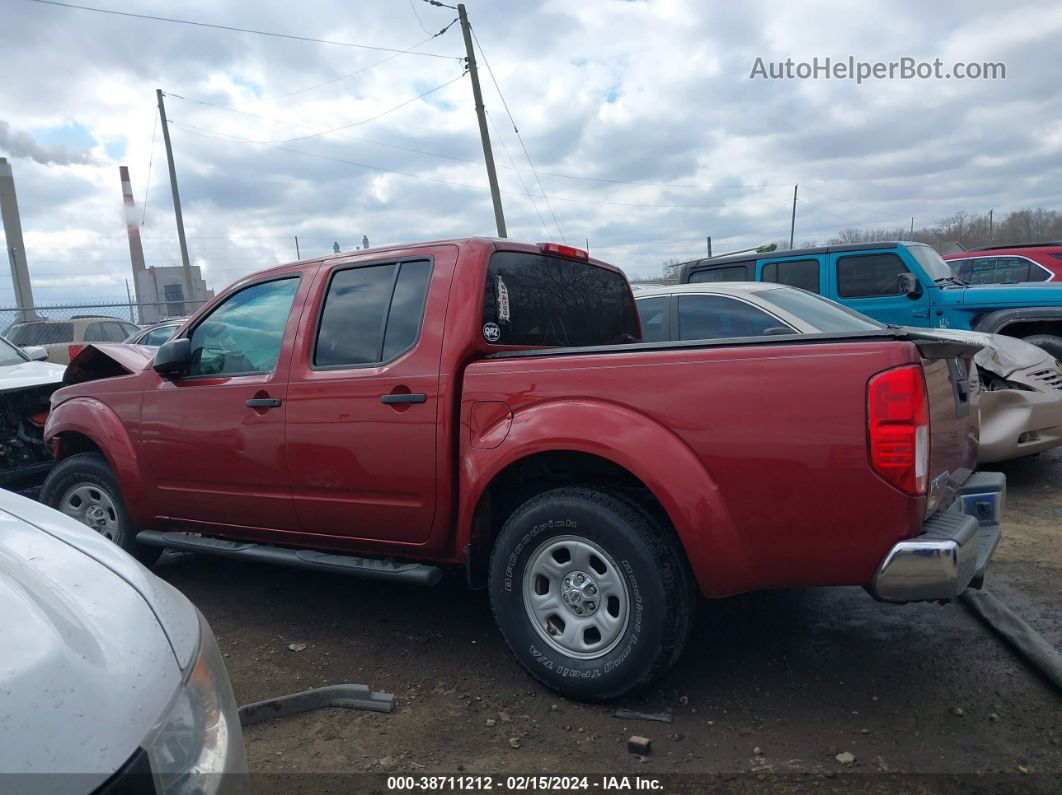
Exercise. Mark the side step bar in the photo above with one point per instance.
(366, 568)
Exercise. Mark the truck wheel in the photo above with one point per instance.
(590, 593)
(84, 488)
(1049, 342)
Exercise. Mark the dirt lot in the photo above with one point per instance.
(773, 687)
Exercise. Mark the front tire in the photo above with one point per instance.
(84, 488)
(590, 592)
(1049, 342)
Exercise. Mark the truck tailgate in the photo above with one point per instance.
(953, 417)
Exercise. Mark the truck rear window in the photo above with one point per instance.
(534, 299)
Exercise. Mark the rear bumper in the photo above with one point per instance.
(1017, 423)
(953, 551)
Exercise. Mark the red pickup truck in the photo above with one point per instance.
(488, 404)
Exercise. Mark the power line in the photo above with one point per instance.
(200, 132)
(413, 8)
(341, 127)
(853, 204)
(341, 77)
(517, 131)
(457, 159)
(236, 29)
(151, 159)
(519, 176)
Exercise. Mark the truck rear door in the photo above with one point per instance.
(363, 398)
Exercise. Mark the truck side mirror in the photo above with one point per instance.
(909, 285)
(173, 359)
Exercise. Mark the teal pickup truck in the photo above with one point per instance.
(901, 283)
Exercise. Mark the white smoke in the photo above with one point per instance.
(21, 144)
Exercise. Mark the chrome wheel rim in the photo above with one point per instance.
(576, 597)
(93, 507)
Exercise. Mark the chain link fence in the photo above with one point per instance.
(41, 325)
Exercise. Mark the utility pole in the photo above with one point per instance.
(176, 198)
(488, 154)
(990, 212)
(912, 226)
(297, 254)
(709, 239)
(792, 220)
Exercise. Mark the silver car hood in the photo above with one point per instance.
(86, 668)
(1001, 355)
(29, 374)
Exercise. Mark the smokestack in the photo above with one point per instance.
(16, 249)
(132, 228)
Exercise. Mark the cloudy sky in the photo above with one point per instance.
(641, 118)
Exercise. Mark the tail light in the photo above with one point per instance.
(74, 350)
(565, 251)
(898, 427)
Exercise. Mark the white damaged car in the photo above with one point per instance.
(110, 680)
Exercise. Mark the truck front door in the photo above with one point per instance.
(870, 283)
(212, 442)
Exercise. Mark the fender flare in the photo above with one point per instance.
(645, 448)
(995, 322)
(95, 420)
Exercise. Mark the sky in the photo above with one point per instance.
(645, 125)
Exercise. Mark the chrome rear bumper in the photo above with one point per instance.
(953, 551)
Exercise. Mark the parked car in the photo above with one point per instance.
(487, 404)
(25, 389)
(902, 283)
(63, 339)
(1021, 408)
(111, 680)
(1022, 262)
(157, 333)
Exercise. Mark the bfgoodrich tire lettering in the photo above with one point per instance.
(85, 481)
(625, 554)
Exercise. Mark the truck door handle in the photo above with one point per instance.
(263, 403)
(407, 397)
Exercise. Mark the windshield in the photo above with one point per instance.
(823, 314)
(931, 263)
(9, 354)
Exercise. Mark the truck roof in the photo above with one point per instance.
(499, 244)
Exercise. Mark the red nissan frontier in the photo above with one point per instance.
(488, 404)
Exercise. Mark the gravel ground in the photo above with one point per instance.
(772, 688)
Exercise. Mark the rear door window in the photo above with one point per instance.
(729, 273)
(869, 275)
(709, 317)
(371, 313)
(546, 301)
(802, 273)
(653, 314)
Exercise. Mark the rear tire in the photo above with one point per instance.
(84, 488)
(590, 592)
(1049, 342)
